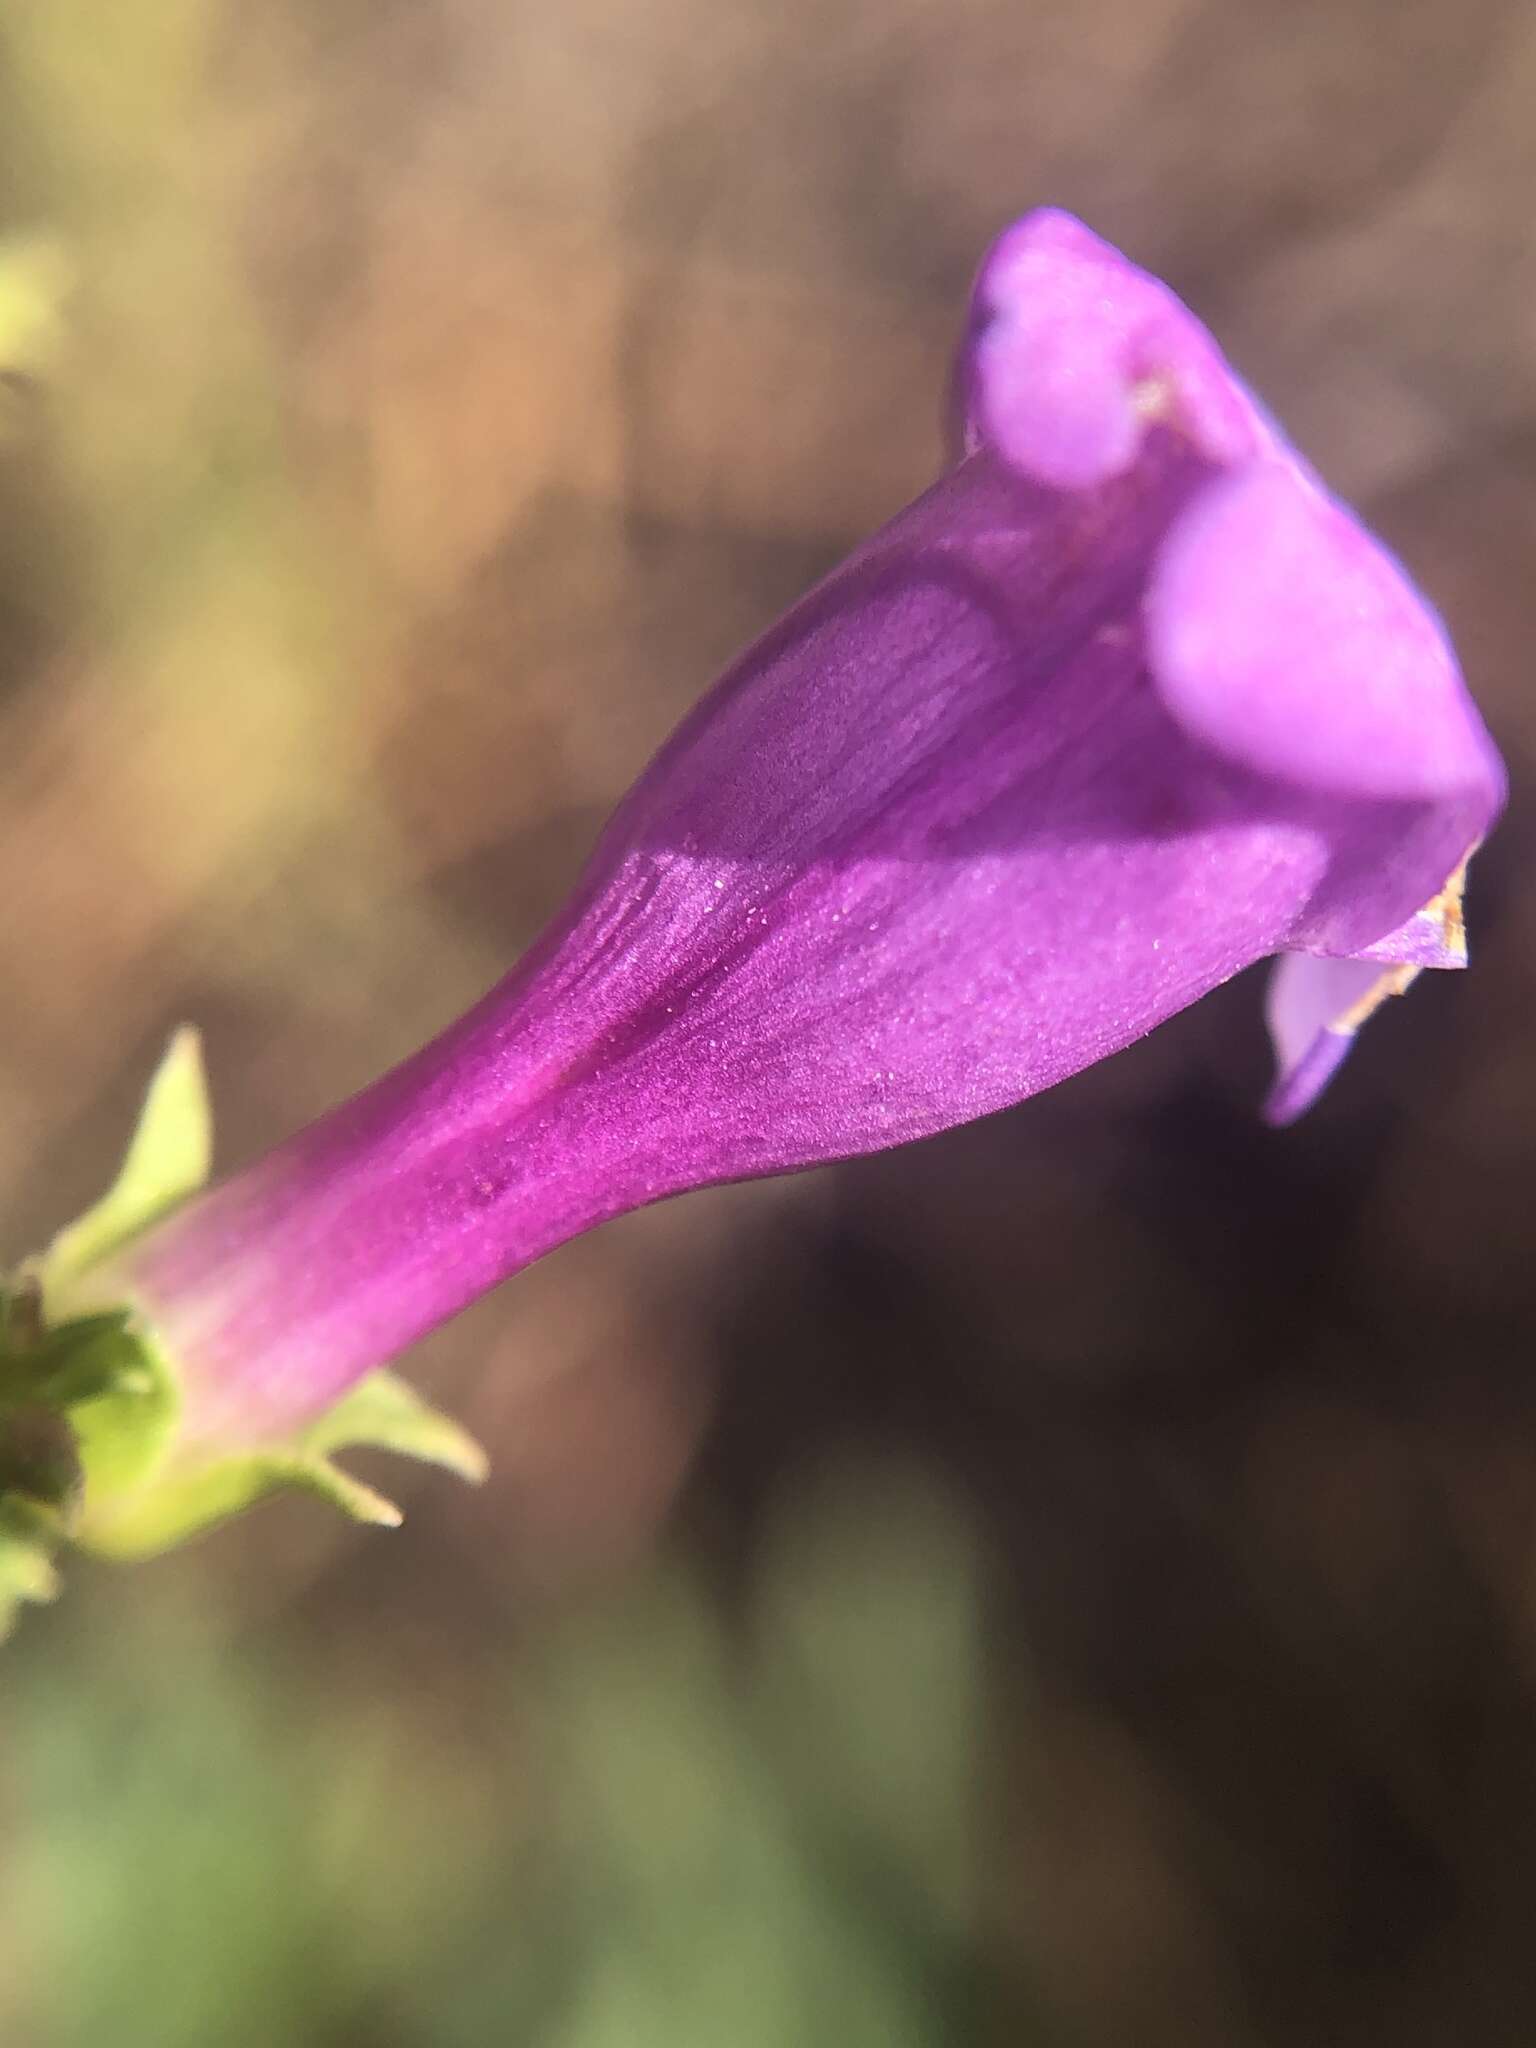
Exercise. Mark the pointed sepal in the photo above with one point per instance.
(168, 1159)
(193, 1492)
(383, 1413)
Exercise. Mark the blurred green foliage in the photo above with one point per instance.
(656, 1824)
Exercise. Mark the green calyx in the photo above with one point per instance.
(91, 1452)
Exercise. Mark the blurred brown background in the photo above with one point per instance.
(1073, 1582)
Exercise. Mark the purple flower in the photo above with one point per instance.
(1123, 704)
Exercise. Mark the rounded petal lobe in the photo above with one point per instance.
(1284, 635)
(1072, 353)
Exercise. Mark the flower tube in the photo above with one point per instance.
(1125, 703)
